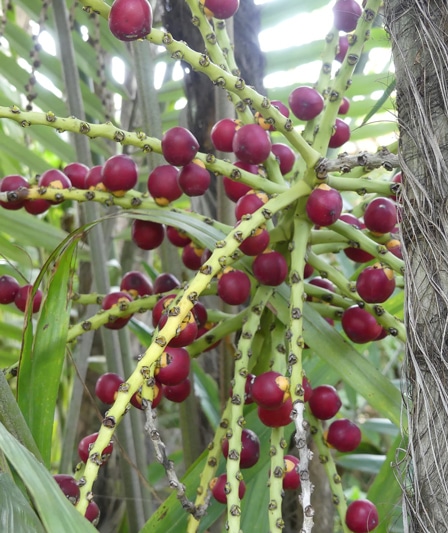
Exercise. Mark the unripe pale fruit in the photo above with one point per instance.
(324, 205)
(119, 173)
(179, 146)
(306, 103)
(251, 144)
(361, 516)
(130, 20)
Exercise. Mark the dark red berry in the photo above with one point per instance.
(165, 282)
(220, 488)
(36, 207)
(94, 178)
(173, 366)
(118, 301)
(93, 513)
(222, 9)
(308, 271)
(163, 184)
(191, 256)
(291, 477)
(346, 14)
(177, 393)
(267, 125)
(194, 178)
(252, 144)
(157, 391)
(343, 435)
(177, 237)
(250, 448)
(341, 134)
(285, 156)
(119, 173)
(106, 387)
(375, 283)
(397, 178)
(257, 243)
(200, 314)
(308, 390)
(324, 402)
(9, 287)
(270, 390)
(270, 268)
(77, 173)
(136, 284)
(160, 308)
(236, 189)
(305, 102)
(147, 235)
(380, 215)
(13, 183)
(361, 516)
(250, 378)
(342, 48)
(69, 487)
(249, 203)
(234, 287)
(359, 325)
(344, 107)
(186, 332)
(54, 178)
(275, 418)
(86, 444)
(130, 20)
(179, 146)
(22, 296)
(222, 134)
(324, 205)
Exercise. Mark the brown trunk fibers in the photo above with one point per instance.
(419, 36)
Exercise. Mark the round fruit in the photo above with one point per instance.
(163, 184)
(346, 15)
(220, 488)
(270, 390)
(305, 102)
(324, 402)
(308, 390)
(200, 314)
(86, 444)
(394, 247)
(343, 435)
(291, 477)
(222, 134)
(147, 235)
(13, 183)
(130, 20)
(54, 178)
(93, 513)
(22, 296)
(285, 156)
(136, 284)
(380, 215)
(69, 487)
(234, 287)
(94, 178)
(341, 134)
(361, 516)
(250, 448)
(221, 9)
(375, 283)
(177, 237)
(173, 366)
(275, 418)
(77, 173)
(249, 203)
(106, 387)
(157, 391)
(186, 333)
(119, 173)
(165, 282)
(119, 301)
(344, 107)
(160, 308)
(257, 243)
(236, 189)
(177, 393)
(194, 179)
(251, 144)
(270, 268)
(359, 325)
(324, 205)
(191, 256)
(179, 146)
(9, 287)
(267, 125)
(36, 207)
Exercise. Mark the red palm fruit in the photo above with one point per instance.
(308, 390)
(118, 301)
(305, 102)
(249, 203)
(220, 488)
(280, 106)
(275, 418)
(147, 235)
(77, 173)
(163, 184)
(191, 256)
(235, 189)
(200, 314)
(375, 283)
(359, 325)
(270, 268)
(177, 237)
(205, 256)
(222, 134)
(343, 435)
(285, 156)
(291, 477)
(173, 366)
(9, 287)
(22, 296)
(54, 178)
(86, 444)
(361, 516)
(251, 144)
(380, 215)
(270, 390)
(344, 107)
(130, 20)
(161, 307)
(186, 332)
(93, 513)
(165, 282)
(394, 247)
(308, 271)
(342, 48)
(250, 378)
(69, 487)
(179, 146)
(13, 183)
(221, 9)
(119, 173)
(36, 207)
(233, 286)
(257, 243)
(136, 284)
(353, 253)
(94, 179)
(194, 178)
(324, 205)
(106, 387)
(250, 448)
(341, 134)
(177, 393)
(346, 14)
(157, 389)
(324, 402)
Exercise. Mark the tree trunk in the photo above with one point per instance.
(420, 48)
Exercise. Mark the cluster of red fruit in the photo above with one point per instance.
(12, 292)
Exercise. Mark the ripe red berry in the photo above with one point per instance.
(324, 402)
(275, 418)
(119, 301)
(324, 205)
(291, 477)
(69, 487)
(165, 282)
(173, 366)
(177, 393)
(270, 268)
(163, 184)
(343, 435)
(250, 448)
(94, 179)
(375, 283)
(130, 20)
(200, 314)
(157, 391)
(119, 173)
(54, 178)
(234, 287)
(9, 287)
(86, 444)
(341, 134)
(191, 256)
(136, 284)
(257, 243)
(147, 235)
(220, 488)
(270, 390)
(93, 513)
(77, 173)
(251, 144)
(13, 183)
(361, 516)
(186, 332)
(285, 156)
(380, 215)
(249, 203)
(236, 189)
(305, 102)
(22, 296)
(359, 325)
(160, 308)
(222, 9)
(194, 178)
(177, 237)
(222, 134)
(36, 207)
(394, 247)
(308, 390)
(346, 14)
(179, 146)
(344, 107)
(106, 387)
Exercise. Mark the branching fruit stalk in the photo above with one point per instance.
(278, 444)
